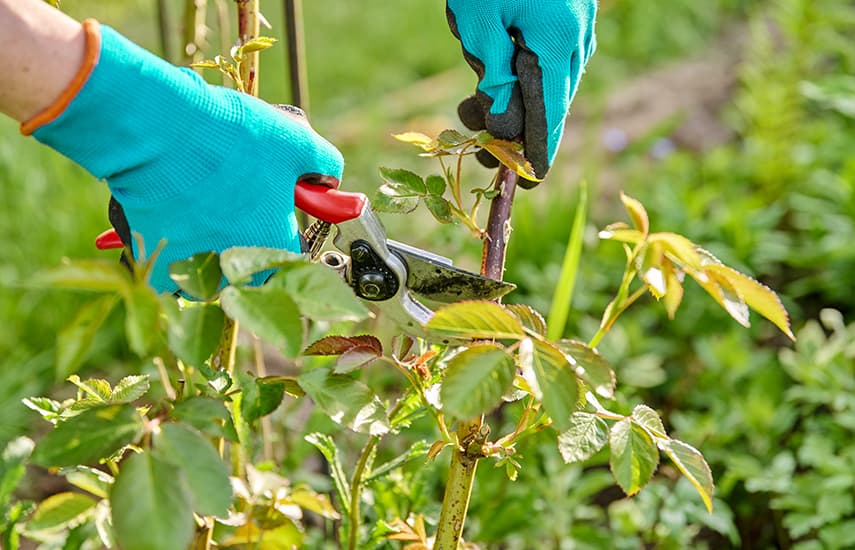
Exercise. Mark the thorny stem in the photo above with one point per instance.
(248, 28)
(224, 359)
(472, 434)
(359, 476)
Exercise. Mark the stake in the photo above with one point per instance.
(195, 30)
(472, 434)
(296, 58)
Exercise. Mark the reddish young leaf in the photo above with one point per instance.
(339, 345)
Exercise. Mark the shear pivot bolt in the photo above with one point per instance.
(372, 285)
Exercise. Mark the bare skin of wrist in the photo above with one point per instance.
(41, 50)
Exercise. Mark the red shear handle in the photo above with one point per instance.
(329, 205)
(324, 203)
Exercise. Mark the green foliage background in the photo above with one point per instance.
(778, 201)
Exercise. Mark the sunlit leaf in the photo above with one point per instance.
(257, 44)
(637, 213)
(308, 499)
(96, 388)
(723, 292)
(674, 288)
(199, 276)
(621, 234)
(650, 269)
(476, 319)
(152, 505)
(756, 295)
(130, 388)
(634, 456)
(452, 138)
(59, 510)
(509, 154)
(691, 464)
(584, 438)
(206, 473)
(416, 138)
(679, 248)
(93, 434)
(89, 479)
(590, 366)
(475, 380)
(558, 383)
(268, 312)
(650, 419)
(529, 317)
(346, 401)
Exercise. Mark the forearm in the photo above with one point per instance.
(41, 50)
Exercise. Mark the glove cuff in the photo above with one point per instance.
(91, 54)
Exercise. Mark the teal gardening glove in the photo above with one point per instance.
(529, 56)
(203, 167)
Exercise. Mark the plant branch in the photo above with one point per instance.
(195, 30)
(472, 434)
(248, 28)
(297, 77)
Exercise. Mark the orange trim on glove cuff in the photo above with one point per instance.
(92, 51)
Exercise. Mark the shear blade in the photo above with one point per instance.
(435, 278)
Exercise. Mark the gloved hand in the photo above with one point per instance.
(529, 56)
(203, 167)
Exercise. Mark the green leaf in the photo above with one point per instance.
(13, 466)
(475, 380)
(269, 313)
(130, 388)
(634, 456)
(93, 434)
(89, 479)
(152, 506)
(327, 447)
(435, 185)
(320, 293)
(260, 396)
(346, 401)
(440, 208)
(208, 415)
(95, 388)
(562, 297)
(206, 473)
(586, 435)
(195, 332)
(199, 276)
(691, 464)
(650, 419)
(142, 319)
(452, 138)
(476, 320)
(75, 340)
(384, 202)
(257, 44)
(557, 383)
(101, 276)
(411, 182)
(60, 510)
(240, 263)
(590, 366)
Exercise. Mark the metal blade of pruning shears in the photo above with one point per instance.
(435, 278)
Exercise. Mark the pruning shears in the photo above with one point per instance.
(400, 281)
